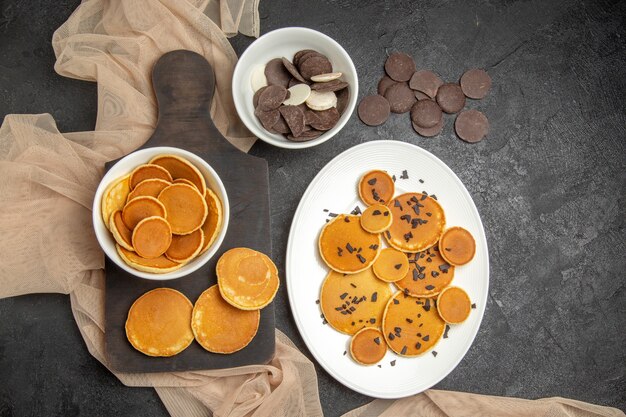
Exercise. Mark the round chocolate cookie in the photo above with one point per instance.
(426, 113)
(272, 97)
(475, 83)
(323, 120)
(294, 117)
(425, 81)
(428, 131)
(400, 97)
(400, 66)
(384, 84)
(450, 98)
(276, 73)
(300, 54)
(315, 65)
(374, 110)
(471, 126)
(292, 70)
(267, 118)
(255, 98)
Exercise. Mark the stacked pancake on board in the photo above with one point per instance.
(225, 317)
(356, 297)
(162, 215)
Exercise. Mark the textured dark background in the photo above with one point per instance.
(549, 182)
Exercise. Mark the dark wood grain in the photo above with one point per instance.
(184, 85)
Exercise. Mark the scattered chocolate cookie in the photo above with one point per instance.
(400, 97)
(421, 96)
(374, 110)
(400, 66)
(471, 126)
(384, 84)
(428, 132)
(450, 98)
(426, 113)
(475, 83)
(426, 82)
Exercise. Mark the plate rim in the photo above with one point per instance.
(292, 304)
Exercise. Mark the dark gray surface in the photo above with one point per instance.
(549, 182)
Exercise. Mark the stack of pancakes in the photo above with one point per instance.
(162, 215)
(356, 297)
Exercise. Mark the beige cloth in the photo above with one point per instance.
(49, 179)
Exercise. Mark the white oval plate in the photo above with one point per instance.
(335, 189)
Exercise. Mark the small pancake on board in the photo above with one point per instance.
(160, 265)
(352, 302)
(219, 327)
(185, 206)
(151, 237)
(148, 188)
(457, 246)
(411, 326)
(418, 221)
(148, 172)
(376, 187)
(114, 198)
(346, 247)
(428, 274)
(213, 223)
(247, 279)
(368, 346)
(376, 218)
(139, 208)
(454, 305)
(159, 323)
(184, 248)
(181, 168)
(122, 234)
(391, 265)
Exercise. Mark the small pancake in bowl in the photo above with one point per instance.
(181, 168)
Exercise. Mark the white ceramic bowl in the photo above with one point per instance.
(125, 166)
(285, 43)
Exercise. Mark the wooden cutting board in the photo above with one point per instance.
(184, 84)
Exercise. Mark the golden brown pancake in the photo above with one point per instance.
(184, 181)
(376, 218)
(454, 305)
(185, 207)
(148, 188)
(141, 207)
(148, 172)
(457, 246)
(352, 302)
(428, 274)
(122, 234)
(213, 222)
(114, 198)
(376, 187)
(159, 323)
(247, 279)
(220, 327)
(418, 221)
(391, 265)
(346, 247)
(185, 247)
(411, 326)
(368, 346)
(151, 237)
(181, 168)
(160, 265)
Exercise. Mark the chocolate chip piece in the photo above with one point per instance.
(426, 113)
(471, 126)
(450, 98)
(400, 98)
(334, 85)
(293, 70)
(315, 65)
(323, 120)
(276, 73)
(426, 82)
(374, 110)
(445, 332)
(267, 118)
(434, 352)
(377, 340)
(272, 97)
(384, 84)
(400, 66)
(343, 96)
(475, 83)
(294, 117)
(428, 131)
(403, 351)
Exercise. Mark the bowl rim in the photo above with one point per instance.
(111, 251)
(265, 136)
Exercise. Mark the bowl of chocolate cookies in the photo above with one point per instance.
(295, 87)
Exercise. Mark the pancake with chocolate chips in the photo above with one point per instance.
(457, 246)
(346, 247)
(368, 346)
(391, 265)
(352, 302)
(428, 274)
(418, 221)
(411, 326)
(376, 187)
